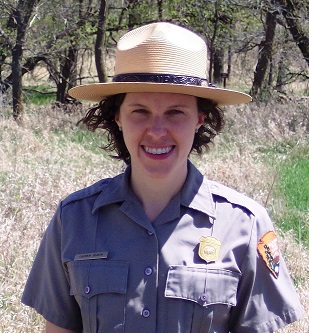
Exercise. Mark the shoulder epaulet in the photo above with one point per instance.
(87, 192)
(235, 197)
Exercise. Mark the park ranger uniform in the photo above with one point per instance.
(209, 262)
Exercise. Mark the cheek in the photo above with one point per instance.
(130, 130)
(130, 136)
(187, 128)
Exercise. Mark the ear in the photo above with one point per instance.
(117, 119)
(201, 120)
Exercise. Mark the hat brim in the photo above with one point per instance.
(98, 91)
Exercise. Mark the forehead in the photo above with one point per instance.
(161, 98)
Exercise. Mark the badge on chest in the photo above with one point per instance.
(209, 248)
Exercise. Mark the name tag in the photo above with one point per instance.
(91, 256)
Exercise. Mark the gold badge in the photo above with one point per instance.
(209, 248)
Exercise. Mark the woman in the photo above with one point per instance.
(160, 248)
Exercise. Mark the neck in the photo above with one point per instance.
(155, 193)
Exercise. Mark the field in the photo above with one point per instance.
(263, 152)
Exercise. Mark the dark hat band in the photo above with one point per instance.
(162, 78)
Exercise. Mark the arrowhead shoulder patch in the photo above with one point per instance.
(268, 248)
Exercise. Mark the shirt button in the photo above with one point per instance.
(204, 297)
(146, 313)
(150, 233)
(87, 290)
(148, 271)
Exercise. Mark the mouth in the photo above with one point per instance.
(158, 151)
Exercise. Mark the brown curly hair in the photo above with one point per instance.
(103, 116)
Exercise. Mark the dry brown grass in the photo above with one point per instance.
(39, 166)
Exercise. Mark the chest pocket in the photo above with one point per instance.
(203, 297)
(100, 288)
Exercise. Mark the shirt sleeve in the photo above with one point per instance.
(47, 289)
(265, 302)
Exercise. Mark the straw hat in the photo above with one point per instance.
(160, 57)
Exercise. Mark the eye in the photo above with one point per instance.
(140, 111)
(175, 112)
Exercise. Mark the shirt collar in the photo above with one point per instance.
(115, 191)
(195, 194)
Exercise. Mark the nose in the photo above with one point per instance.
(157, 128)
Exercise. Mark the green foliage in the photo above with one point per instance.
(293, 187)
(79, 135)
(39, 95)
(290, 160)
(91, 141)
(130, 15)
(235, 28)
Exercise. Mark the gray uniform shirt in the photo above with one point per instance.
(103, 266)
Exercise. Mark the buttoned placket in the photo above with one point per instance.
(148, 275)
(149, 311)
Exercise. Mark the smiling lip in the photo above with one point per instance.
(158, 151)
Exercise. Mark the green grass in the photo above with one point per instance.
(293, 188)
(90, 141)
(39, 95)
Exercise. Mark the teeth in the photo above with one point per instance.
(158, 151)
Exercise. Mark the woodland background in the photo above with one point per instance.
(256, 46)
(270, 38)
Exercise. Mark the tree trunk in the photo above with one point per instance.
(265, 53)
(291, 15)
(282, 67)
(67, 70)
(212, 42)
(280, 85)
(218, 60)
(17, 53)
(27, 67)
(100, 43)
(229, 61)
(3, 85)
(17, 82)
(160, 9)
(21, 15)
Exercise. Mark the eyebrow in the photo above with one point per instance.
(136, 104)
(170, 106)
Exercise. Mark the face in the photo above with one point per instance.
(158, 130)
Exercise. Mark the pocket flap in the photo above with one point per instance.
(202, 285)
(92, 277)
